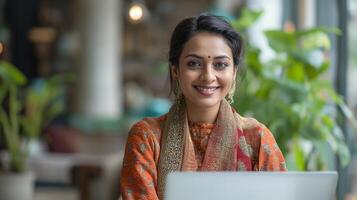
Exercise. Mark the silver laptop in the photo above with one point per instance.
(251, 185)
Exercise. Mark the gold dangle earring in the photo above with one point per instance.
(230, 95)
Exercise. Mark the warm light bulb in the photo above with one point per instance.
(136, 12)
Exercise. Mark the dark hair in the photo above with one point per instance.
(189, 27)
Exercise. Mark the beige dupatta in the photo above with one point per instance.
(177, 151)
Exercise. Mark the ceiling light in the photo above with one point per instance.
(136, 12)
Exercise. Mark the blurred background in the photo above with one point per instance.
(75, 75)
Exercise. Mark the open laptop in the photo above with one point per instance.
(251, 185)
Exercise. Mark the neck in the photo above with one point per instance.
(199, 114)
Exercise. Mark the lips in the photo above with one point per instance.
(206, 90)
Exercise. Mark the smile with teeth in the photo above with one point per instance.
(206, 90)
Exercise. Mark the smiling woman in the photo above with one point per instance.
(201, 132)
(205, 73)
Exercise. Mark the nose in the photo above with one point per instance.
(207, 74)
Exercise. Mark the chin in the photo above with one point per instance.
(206, 103)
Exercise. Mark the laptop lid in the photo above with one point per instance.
(251, 185)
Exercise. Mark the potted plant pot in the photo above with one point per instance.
(17, 186)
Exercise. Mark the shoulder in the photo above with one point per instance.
(149, 127)
(253, 130)
(249, 124)
(153, 122)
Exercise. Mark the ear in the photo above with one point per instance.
(235, 71)
(174, 71)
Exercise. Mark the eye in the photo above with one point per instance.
(221, 65)
(193, 64)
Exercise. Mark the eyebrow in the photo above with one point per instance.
(200, 57)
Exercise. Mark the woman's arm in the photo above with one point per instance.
(270, 157)
(139, 173)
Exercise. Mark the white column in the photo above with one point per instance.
(98, 95)
(307, 13)
(270, 19)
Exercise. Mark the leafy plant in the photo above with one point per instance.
(43, 102)
(11, 80)
(289, 94)
(26, 110)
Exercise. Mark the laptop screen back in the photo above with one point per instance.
(251, 185)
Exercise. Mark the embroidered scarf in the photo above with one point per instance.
(226, 149)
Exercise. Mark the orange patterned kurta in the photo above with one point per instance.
(140, 175)
(200, 133)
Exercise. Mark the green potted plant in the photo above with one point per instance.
(43, 101)
(13, 174)
(23, 113)
(290, 95)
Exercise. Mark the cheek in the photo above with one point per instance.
(227, 86)
(227, 80)
(184, 82)
(187, 77)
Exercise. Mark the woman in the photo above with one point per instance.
(201, 132)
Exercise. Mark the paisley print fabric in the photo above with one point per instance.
(248, 145)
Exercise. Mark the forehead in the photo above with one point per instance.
(207, 44)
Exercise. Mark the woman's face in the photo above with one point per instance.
(206, 70)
